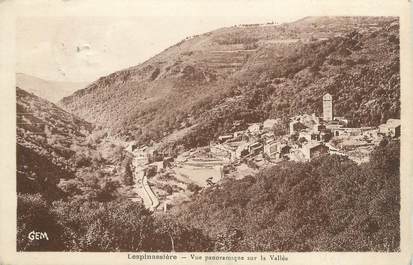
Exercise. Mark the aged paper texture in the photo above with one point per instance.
(219, 132)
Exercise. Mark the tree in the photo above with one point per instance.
(229, 240)
(386, 157)
(193, 187)
(328, 204)
(127, 175)
(107, 190)
(106, 226)
(174, 236)
(33, 215)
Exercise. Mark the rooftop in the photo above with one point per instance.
(393, 122)
(312, 144)
(327, 96)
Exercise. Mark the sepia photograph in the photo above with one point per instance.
(256, 134)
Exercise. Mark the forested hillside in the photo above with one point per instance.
(60, 155)
(73, 184)
(329, 204)
(249, 73)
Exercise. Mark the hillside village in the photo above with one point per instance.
(246, 151)
(91, 177)
(257, 137)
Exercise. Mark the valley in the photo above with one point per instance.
(50, 90)
(246, 138)
(175, 179)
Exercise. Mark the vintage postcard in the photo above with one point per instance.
(219, 132)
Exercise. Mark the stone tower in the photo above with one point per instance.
(327, 107)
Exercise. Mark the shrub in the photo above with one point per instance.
(106, 226)
(127, 174)
(328, 204)
(33, 214)
(193, 187)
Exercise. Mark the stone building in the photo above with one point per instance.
(242, 150)
(313, 150)
(269, 124)
(283, 149)
(327, 107)
(224, 138)
(255, 148)
(271, 148)
(255, 128)
(296, 126)
(391, 128)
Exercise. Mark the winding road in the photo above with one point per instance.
(142, 187)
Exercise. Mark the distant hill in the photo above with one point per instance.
(50, 90)
(195, 90)
(59, 154)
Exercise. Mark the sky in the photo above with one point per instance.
(83, 48)
(82, 40)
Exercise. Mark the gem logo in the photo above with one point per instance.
(33, 235)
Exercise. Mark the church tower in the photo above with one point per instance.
(327, 107)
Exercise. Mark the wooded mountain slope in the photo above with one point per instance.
(328, 204)
(250, 73)
(59, 155)
(72, 183)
